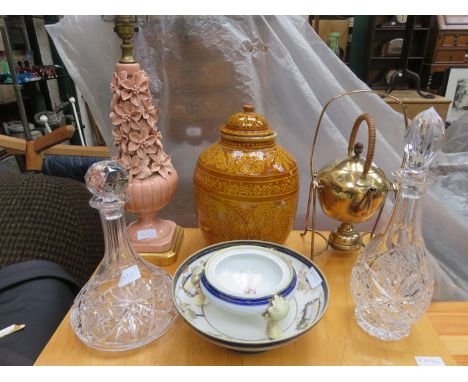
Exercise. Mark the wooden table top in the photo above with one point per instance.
(335, 340)
(450, 321)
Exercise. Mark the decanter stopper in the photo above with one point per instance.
(107, 181)
(423, 138)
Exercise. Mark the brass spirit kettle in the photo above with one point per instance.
(351, 189)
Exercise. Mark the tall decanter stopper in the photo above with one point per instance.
(392, 281)
(423, 138)
(127, 302)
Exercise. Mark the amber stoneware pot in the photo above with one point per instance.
(246, 186)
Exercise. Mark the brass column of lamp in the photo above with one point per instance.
(124, 27)
(350, 189)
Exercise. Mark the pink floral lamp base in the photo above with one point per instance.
(140, 151)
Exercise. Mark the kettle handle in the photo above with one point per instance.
(370, 144)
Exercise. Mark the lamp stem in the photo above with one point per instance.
(125, 29)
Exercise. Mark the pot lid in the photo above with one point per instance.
(247, 126)
(352, 164)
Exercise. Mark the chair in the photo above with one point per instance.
(51, 241)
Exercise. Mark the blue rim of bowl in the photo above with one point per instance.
(247, 301)
(239, 345)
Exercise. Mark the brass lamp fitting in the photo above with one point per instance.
(125, 29)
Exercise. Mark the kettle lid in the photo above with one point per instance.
(352, 164)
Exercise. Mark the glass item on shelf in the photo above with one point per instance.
(127, 303)
(333, 42)
(392, 280)
(392, 48)
(396, 21)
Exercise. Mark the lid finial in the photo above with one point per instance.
(248, 108)
(358, 149)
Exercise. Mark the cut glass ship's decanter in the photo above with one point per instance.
(127, 302)
(392, 280)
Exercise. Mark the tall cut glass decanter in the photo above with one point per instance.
(392, 281)
(127, 302)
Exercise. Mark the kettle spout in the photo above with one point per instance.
(364, 205)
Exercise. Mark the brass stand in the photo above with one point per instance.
(345, 238)
(170, 256)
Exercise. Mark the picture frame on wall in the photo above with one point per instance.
(457, 92)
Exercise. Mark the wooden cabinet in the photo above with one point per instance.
(452, 39)
(448, 48)
(414, 103)
(451, 56)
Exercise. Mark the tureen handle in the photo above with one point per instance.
(370, 144)
(199, 298)
(277, 311)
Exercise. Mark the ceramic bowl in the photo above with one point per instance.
(246, 333)
(244, 279)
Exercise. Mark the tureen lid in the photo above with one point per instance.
(247, 126)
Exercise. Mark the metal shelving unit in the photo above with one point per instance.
(415, 34)
(35, 80)
(16, 86)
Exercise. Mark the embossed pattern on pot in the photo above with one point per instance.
(246, 186)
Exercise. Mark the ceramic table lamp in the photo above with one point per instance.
(140, 151)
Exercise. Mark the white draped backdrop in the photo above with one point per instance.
(204, 68)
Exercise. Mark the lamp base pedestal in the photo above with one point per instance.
(345, 238)
(168, 256)
(151, 234)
